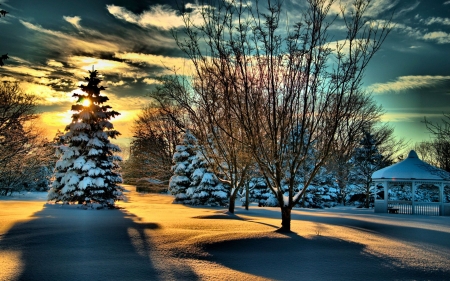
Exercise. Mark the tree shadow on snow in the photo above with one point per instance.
(321, 258)
(75, 244)
(414, 235)
(220, 214)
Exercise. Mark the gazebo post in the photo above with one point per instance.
(381, 206)
(413, 198)
(441, 199)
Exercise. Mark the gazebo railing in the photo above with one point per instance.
(426, 208)
(419, 208)
(404, 207)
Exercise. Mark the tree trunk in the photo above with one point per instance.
(367, 195)
(231, 204)
(285, 219)
(342, 192)
(246, 197)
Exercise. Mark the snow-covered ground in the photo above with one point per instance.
(152, 239)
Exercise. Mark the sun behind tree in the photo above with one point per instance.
(87, 170)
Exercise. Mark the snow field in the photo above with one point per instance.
(153, 239)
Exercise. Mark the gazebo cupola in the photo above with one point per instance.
(412, 186)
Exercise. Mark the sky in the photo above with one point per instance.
(52, 45)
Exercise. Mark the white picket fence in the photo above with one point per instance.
(419, 208)
(427, 209)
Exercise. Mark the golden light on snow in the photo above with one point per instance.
(11, 264)
(178, 242)
(12, 213)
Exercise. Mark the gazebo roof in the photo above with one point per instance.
(412, 168)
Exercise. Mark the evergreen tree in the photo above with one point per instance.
(323, 191)
(206, 189)
(87, 170)
(366, 160)
(256, 188)
(182, 168)
(193, 183)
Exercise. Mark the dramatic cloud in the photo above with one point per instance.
(131, 46)
(403, 117)
(54, 63)
(408, 83)
(160, 16)
(55, 80)
(26, 70)
(117, 84)
(407, 9)
(375, 8)
(83, 64)
(237, 3)
(438, 20)
(75, 21)
(379, 6)
(70, 43)
(156, 60)
(438, 36)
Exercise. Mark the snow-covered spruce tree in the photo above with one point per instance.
(323, 192)
(206, 189)
(365, 161)
(182, 169)
(87, 170)
(260, 193)
(193, 183)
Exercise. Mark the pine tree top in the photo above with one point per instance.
(89, 105)
(92, 88)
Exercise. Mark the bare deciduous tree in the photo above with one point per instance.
(278, 82)
(363, 115)
(349, 137)
(388, 144)
(23, 152)
(441, 141)
(30, 170)
(17, 113)
(155, 136)
(213, 124)
(224, 141)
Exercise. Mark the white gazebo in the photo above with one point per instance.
(412, 186)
